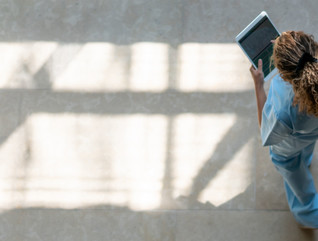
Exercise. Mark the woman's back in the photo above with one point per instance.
(287, 130)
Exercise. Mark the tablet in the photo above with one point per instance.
(255, 41)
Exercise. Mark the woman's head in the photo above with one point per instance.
(290, 49)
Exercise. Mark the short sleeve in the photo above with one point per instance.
(273, 130)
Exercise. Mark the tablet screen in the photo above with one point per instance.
(257, 43)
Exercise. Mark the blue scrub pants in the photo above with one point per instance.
(301, 193)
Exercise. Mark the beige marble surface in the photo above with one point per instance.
(136, 120)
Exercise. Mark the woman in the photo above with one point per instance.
(288, 119)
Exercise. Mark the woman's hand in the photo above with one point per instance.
(258, 77)
(258, 74)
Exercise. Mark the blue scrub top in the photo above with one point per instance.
(291, 136)
(283, 127)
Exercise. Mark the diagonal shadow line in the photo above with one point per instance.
(42, 78)
(11, 117)
(232, 142)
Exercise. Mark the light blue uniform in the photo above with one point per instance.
(291, 136)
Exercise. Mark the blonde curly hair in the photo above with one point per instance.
(288, 50)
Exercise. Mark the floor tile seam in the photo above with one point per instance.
(146, 211)
(8, 90)
(53, 91)
(219, 210)
(234, 210)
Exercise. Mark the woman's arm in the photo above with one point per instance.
(258, 77)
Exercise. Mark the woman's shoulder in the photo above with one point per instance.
(281, 96)
(282, 89)
(280, 103)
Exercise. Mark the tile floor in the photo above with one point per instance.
(136, 120)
